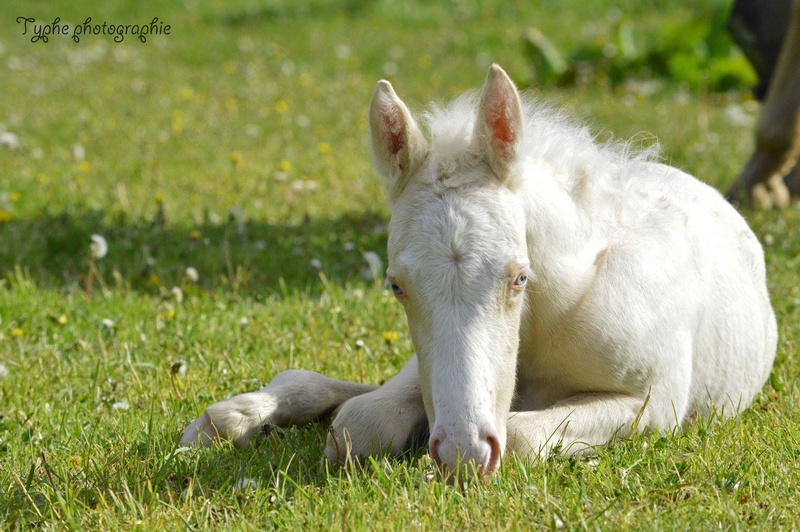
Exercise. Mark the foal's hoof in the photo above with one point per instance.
(200, 432)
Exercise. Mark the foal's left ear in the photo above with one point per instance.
(499, 127)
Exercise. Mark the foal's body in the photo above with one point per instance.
(557, 292)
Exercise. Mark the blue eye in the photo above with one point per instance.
(521, 279)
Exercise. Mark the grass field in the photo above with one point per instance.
(236, 146)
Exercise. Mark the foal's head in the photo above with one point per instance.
(458, 260)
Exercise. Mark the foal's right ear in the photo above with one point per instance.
(397, 142)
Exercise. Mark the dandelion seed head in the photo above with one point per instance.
(98, 247)
(179, 368)
(236, 214)
(9, 140)
(244, 485)
(122, 406)
(78, 152)
(191, 275)
(177, 294)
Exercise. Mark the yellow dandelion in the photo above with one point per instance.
(323, 147)
(62, 320)
(186, 94)
(425, 62)
(76, 461)
(84, 167)
(177, 123)
(235, 158)
(159, 197)
(390, 337)
(16, 332)
(170, 315)
(306, 80)
(14, 196)
(42, 179)
(281, 106)
(153, 279)
(229, 67)
(195, 234)
(232, 105)
(5, 216)
(285, 165)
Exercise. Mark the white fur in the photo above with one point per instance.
(646, 298)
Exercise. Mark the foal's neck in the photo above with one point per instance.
(563, 242)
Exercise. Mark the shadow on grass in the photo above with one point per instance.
(247, 257)
(283, 462)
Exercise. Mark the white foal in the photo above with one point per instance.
(558, 293)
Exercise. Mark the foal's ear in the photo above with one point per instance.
(499, 127)
(397, 142)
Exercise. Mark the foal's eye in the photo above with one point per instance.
(396, 290)
(520, 281)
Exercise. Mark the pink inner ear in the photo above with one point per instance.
(393, 137)
(502, 130)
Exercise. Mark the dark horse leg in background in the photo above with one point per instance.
(769, 34)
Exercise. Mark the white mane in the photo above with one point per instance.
(550, 137)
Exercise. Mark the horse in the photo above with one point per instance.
(559, 292)
(772, 174)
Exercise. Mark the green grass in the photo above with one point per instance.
(237, 146)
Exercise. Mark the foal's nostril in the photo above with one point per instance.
(494, 456)
(434, 451)
(483, 451)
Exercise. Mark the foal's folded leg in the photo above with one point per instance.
(580, 423)
(294, 397)
(389, 420)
